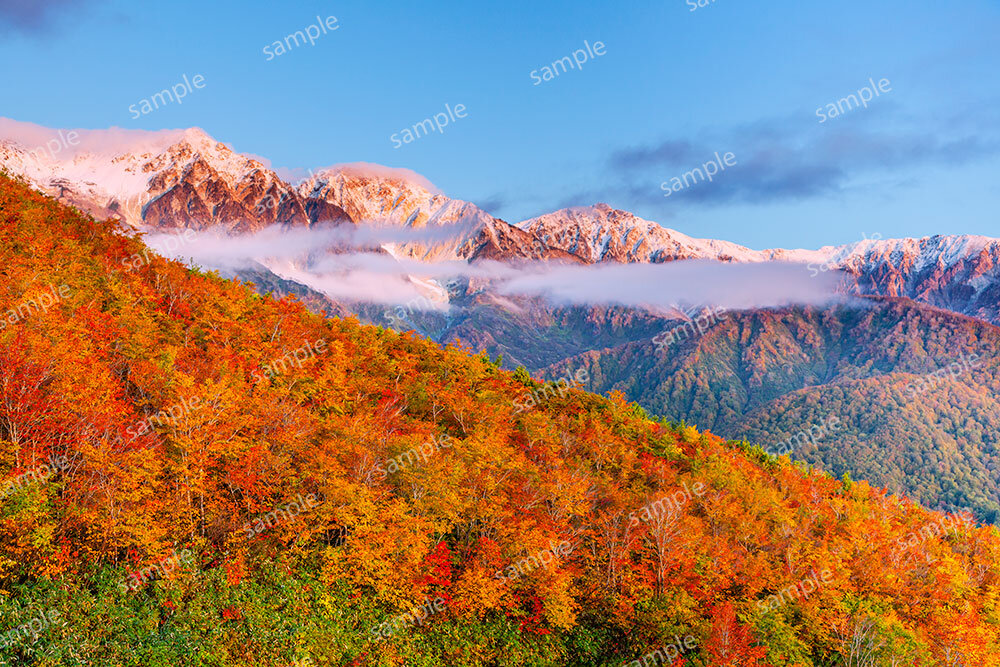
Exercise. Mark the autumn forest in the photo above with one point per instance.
(193, 473)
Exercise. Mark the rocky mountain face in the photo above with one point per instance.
(186, 179)
(442, 229)
(600, 233)
(160, 181)
(958, 273)
(395, 197)
(197, 195)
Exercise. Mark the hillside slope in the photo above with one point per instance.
(908, 419)
(195, 474)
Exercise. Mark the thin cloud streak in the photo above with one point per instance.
(35, 16)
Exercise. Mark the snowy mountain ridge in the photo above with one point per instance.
(174, 179)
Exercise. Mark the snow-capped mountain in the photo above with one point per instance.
(382, 195)
(444, 228)
(960, 273)
(177, 179)
(600, 233)
(156, 180)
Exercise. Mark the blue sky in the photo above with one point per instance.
(673, 87)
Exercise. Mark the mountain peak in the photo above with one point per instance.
(160, 179)
(367, 172)
(196, 134)
(387, 195)
(601, 233)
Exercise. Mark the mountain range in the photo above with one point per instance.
(186, 179)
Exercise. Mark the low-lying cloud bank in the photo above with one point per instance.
(215, 250)
(345, 263)
(683, 283)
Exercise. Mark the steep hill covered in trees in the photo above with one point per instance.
(196, 474)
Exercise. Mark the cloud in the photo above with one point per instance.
(684, 284)
(331, 261)
(787, 159)
(671, 151)
(34, 16)
(211, 248)
(674, 285)
(361, 284)
(293, 175)
(344, 262)
(297, 175)
(108, 141)
(493, 205)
